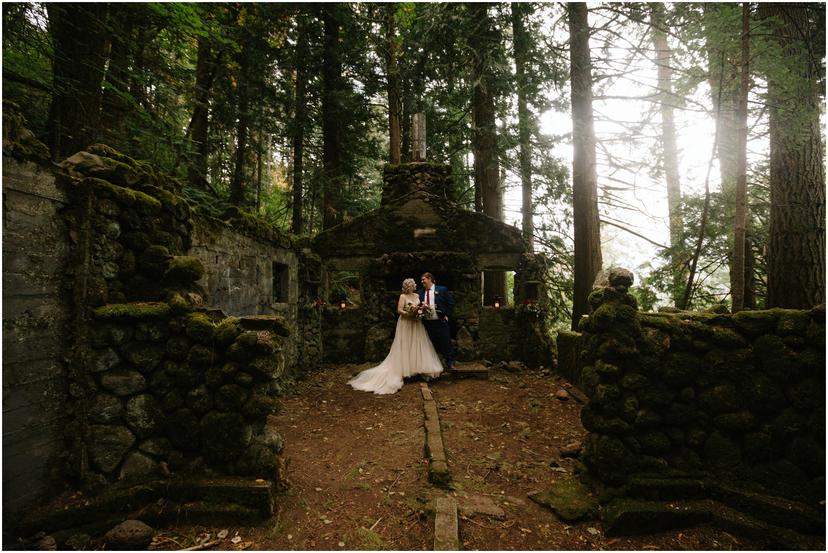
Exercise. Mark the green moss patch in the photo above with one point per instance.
(132, 311)
(122, 195)
(568, 499)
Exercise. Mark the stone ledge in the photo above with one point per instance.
(231, 496)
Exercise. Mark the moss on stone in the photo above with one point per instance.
(740, 421)
(754, 323)
(776, 358)
(666, 322)
(654, 442)
(154, 261)
(568, 499)
(600, 424)
(608, 457)
(227, 331)
(132, 311)
(199, 327)
(122, 195)
(793, 321)
(183, 269)
(201, 356)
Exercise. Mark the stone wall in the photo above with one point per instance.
(115, 365)
(239, 271)
(35, 315)
(171, 390)
(738, 396)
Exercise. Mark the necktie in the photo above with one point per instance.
(428, 296)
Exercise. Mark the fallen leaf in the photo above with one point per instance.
(223, 534)
(236, 539)
(592, 531)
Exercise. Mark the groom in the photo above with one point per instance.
(437, 324)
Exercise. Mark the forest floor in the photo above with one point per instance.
(359, 480)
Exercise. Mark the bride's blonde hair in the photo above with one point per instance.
(409, 286)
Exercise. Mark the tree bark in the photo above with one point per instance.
(332, 118)
(796, 250)
(199, 122)
(521, 46)
(393, 85)
(584, 174)
(237, 185)
(737, 265)
(114, 108)
(80, 47)
(300, 65)
(668, 141)
(488, 195)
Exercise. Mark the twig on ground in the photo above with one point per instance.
(395, 480)
(375, 524)
(201, 546)
(481, 525)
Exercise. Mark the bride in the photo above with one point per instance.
(411, 352)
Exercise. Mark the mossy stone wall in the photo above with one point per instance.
(172, 390)
(738, 396)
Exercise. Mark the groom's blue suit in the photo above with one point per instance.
(438, 330)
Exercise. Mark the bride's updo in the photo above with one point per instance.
(409, 286)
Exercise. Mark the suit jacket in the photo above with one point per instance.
(443, 300)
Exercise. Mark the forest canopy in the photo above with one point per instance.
(684, 141)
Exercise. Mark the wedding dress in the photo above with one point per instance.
(411, 353)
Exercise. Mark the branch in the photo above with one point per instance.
(625, 229)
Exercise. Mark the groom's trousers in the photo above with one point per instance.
(440, 334)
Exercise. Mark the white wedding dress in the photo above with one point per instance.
(411, 353)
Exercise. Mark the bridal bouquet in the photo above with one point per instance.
(415, 311)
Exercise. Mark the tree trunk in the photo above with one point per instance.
(796, 251)
(737, 265)
(668, 141)
(80, 47)
(393, 78)
(200, 123)
(488, 196)
(299, 116)
(237, 185)
(521, 47)
(722, 50)
(332, 118)
(584, 175)
(114, 108)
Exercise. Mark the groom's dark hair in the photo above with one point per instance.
(429, 275)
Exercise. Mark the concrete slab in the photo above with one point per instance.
(446, 530)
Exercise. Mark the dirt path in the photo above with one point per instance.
(359, 480)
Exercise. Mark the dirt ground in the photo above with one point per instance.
(359, 480)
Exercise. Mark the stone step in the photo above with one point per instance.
(628, 517)
(777, 511)
(235, 497)
(446, 528)
(468, 370)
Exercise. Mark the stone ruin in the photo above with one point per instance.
(420, 227)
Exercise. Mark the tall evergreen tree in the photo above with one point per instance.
(80, 51)
(588, 259)
(796, 253)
